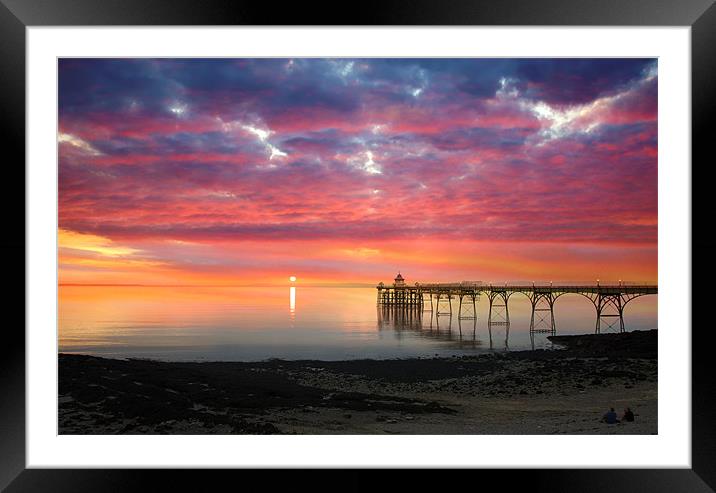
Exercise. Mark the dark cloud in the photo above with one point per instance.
(575, 81)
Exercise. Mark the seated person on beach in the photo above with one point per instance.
(610, 417)
(628, 415)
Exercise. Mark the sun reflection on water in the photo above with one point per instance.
(292, 302)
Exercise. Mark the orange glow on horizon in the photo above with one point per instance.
(91, 259)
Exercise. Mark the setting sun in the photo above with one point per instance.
(292, 278)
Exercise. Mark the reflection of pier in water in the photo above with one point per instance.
(462, 332)
(411, 318)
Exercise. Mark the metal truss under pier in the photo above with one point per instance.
(462, 298)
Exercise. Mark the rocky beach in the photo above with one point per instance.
(559, 391)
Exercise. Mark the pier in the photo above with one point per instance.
(462, 298)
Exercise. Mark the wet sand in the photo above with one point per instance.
(562, 391)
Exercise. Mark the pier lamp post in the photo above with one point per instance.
(597, 282)
(620, 283)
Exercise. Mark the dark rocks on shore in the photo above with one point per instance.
(150, 393)
(139, 396)
(636, 344)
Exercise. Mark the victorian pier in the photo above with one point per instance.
(462, 298)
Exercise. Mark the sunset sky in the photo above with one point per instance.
(247, 171)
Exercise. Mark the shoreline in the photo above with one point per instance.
(523, 392)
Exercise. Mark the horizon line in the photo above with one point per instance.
(184, 285)
(352, 284)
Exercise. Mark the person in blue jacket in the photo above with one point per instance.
(610, 417)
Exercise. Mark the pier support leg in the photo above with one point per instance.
(449, 322)
(610, 313)
(474, 327)
(507, 336)
(499, 312)
(468, 307)
(444, 304)
(542, 319)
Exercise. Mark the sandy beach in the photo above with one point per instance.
(563, 391)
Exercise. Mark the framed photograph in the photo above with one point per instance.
(433, 238)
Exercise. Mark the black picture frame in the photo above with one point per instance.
(16, 15)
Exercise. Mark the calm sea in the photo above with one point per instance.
(250, 324)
